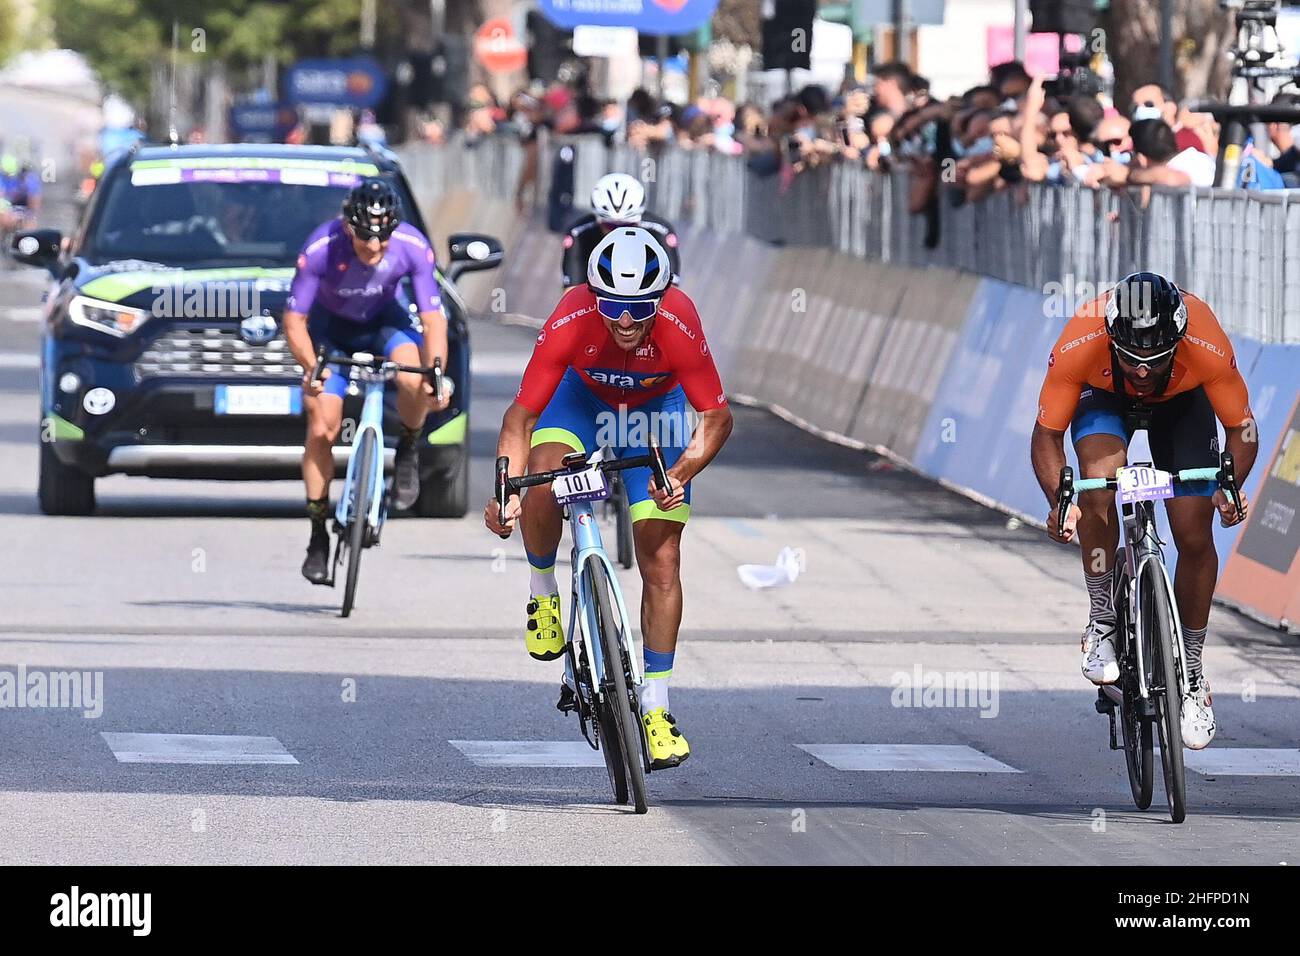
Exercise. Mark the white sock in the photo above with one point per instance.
(1100, 606)
(542, 583)
(654, 694)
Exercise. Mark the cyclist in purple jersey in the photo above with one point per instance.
(346, 295)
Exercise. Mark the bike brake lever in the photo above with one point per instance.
(437, 379)
(1228, 482)
(659, 470)
(502, 489)
(320, 363)
(1064, 498)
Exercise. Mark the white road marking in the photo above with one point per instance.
(1244, 762)
(497, 363)
(529, 753)
(940, 758)
(19, 360)
(22, 315)
(197, 748)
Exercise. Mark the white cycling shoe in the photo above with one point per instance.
(1099, 663)
(1198, 717)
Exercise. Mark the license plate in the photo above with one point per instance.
(257, 400)
(586, 485)
(1142, 483)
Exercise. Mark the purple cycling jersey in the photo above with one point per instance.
(330, 274)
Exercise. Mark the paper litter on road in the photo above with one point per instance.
(785, 571)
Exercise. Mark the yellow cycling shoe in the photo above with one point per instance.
(668, 747)
(545, 635)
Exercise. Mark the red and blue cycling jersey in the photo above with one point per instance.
(674, 353)
(330, 274)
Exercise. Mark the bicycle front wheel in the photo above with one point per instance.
(358, 513)
(616, 690)
(1157, 615)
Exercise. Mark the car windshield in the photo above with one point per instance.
(210, 222)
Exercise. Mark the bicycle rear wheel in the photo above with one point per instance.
(358, 512)
(1158, 615)
(616, 691)
(1139, 751)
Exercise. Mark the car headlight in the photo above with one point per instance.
(105, 316)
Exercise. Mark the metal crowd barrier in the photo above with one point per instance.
(1236, 249)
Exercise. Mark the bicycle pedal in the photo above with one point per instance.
(568, 702)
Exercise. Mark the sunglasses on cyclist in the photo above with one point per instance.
(639, 309)
(1149, 362)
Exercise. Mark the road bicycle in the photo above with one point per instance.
(1149, 638)
(602, 669)
(363, 506)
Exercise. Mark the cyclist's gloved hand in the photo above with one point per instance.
(1065, 534)
(317, 386)
(492, 516)
(1228, 514)
(671, 497)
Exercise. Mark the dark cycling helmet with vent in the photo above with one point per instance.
(372, 209)
(1146, 311)
(629, 263)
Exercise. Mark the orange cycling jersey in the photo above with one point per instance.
(1081, 358)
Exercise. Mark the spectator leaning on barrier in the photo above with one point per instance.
(1155, 147)
(1191, 130)
(893, 88)
(1283, 137)
(1113, 150)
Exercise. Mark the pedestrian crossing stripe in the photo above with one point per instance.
(529, 753)
(196, 749)
(930, 758)
(1244, 762)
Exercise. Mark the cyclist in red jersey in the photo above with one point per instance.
(620, 358)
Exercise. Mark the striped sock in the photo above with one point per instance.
(1100, 606)
(658, 671)
(541, 579)
(1193, 641)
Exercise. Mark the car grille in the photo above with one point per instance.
(200, 351)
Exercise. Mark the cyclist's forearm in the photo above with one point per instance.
(710, 435)
(1243, 443)
(299, 340)
(435, 337)
(516, 437)
(1047, 452)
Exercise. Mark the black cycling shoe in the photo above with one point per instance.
(316, 566)
(406, 475)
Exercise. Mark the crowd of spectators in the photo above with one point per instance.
(1012, 129)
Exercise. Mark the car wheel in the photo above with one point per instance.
(444, 492)
(62, 489)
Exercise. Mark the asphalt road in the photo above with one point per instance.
(362, 740)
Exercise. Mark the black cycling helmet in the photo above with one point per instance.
(372, 209)
(1146, 311)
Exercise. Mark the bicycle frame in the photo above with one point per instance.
(1142, 546)
(372, 420)
(587, 547)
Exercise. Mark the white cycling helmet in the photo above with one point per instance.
(618, 198)
(629, 263)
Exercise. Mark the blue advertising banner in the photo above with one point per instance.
(268, 122)
(355, 81)
(647, 16)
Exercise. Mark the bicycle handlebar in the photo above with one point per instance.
(377, 364)
(1224, 475)
(506, 487)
